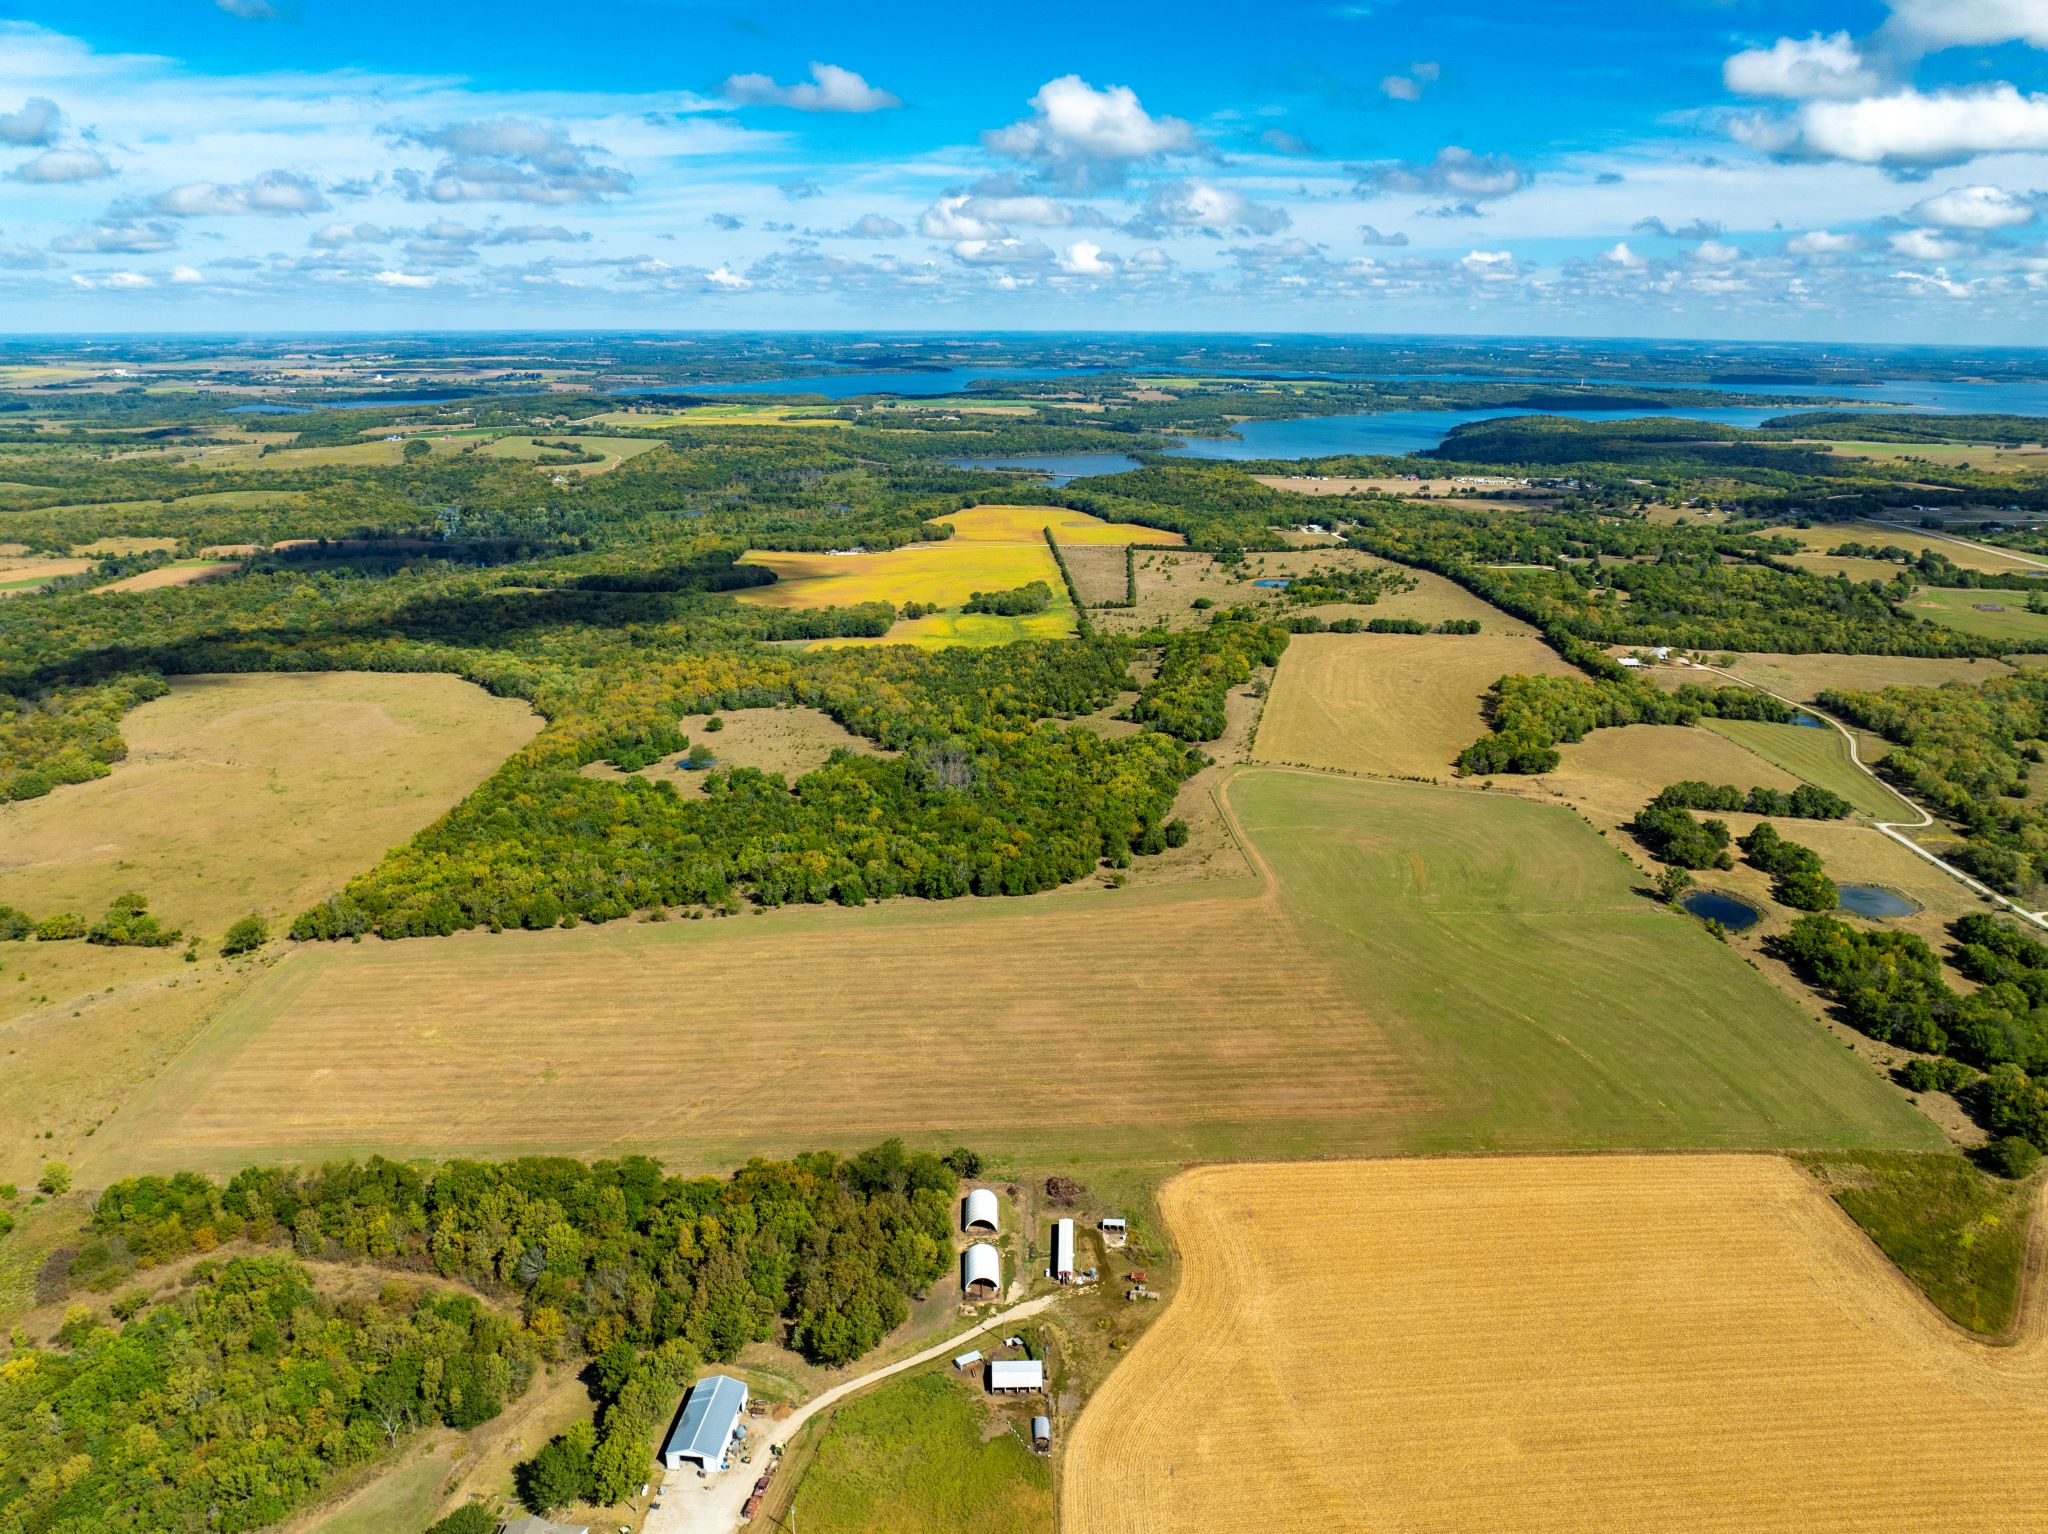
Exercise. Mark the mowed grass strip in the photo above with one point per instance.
(1389, 704)
(1970, 555)
(1967, 611)
(1427, 969)
(1551, 1346)
(1819, 757)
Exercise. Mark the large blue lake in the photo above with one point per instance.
(1389, 433)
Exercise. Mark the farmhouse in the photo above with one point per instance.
(709, 1420)
(1063, 1251)
(981, 1271)
(981, 1211)
(1016, 1376)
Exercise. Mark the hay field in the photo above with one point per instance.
(179, 572)
(1026, 524)
(1543, 1346)
(722, 415)
(993, 548)
(1963, 609)
(1970, 555)
(1821, 757)
(1307, 1011)
(1804, 677)
(1098, 570)
(27, 572)
(1389, 704)
(1613, 773)
(613, 451)
(253, 792)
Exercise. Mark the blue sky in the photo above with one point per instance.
(1872, 171)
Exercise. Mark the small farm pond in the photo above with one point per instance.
(1875, 900)
(1809, 722)
(1712, 905)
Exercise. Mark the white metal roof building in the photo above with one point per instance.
(981, 1211)
(1041, 1432)
(981, 1270)
(1016, 1374)
(705, 1429)
(967, 1358)
(1063, 1250)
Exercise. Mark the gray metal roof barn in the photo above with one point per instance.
(705, 1430)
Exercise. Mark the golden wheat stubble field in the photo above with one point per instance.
(1586, 1344)
(1389, 704)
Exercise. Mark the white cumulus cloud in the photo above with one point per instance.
(1909, 127)
(62, 167)
(1801, 69)
(279, 193)
(830, 89)
(1083, 134)
(1974, 207)
(1935, 24)
(1084, 258)
(1822, 242)
(1925, 245)
(405, 279)
(35, 125)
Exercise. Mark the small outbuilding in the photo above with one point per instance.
(1115, 1231)
(1041, 1433)
(981, 1213)
(531, 1525)
(1063, 1269)
(981, 1272)
(967, 1360)
(1016, 1376)
(710, 1420)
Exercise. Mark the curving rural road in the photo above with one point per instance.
(713, 1505)
(1895, 829)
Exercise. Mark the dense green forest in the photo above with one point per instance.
(1967, 753)
(225, 1403)
(1889, 985)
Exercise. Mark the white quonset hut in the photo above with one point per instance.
(1063, 1251)
(981, 1271)
(1041, 1433)
(981, 1211)
(710, 1418)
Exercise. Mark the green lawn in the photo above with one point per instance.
(911, 1458)
(1546, 1003)
(1821, 757)
(1957, 1233)
(1960, 609)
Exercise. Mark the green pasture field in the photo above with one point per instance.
(616, 450)
(1415, 969)
(1821, 757)
(914, 1457)
(1958, 609)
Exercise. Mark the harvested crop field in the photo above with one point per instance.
(1545, 1345)
(1613, 773)
(1305, 1014)
(256, 793)
(1100, 572)
(1970, 555)
(1389, 704)
(1804, 677)
(181, 572)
